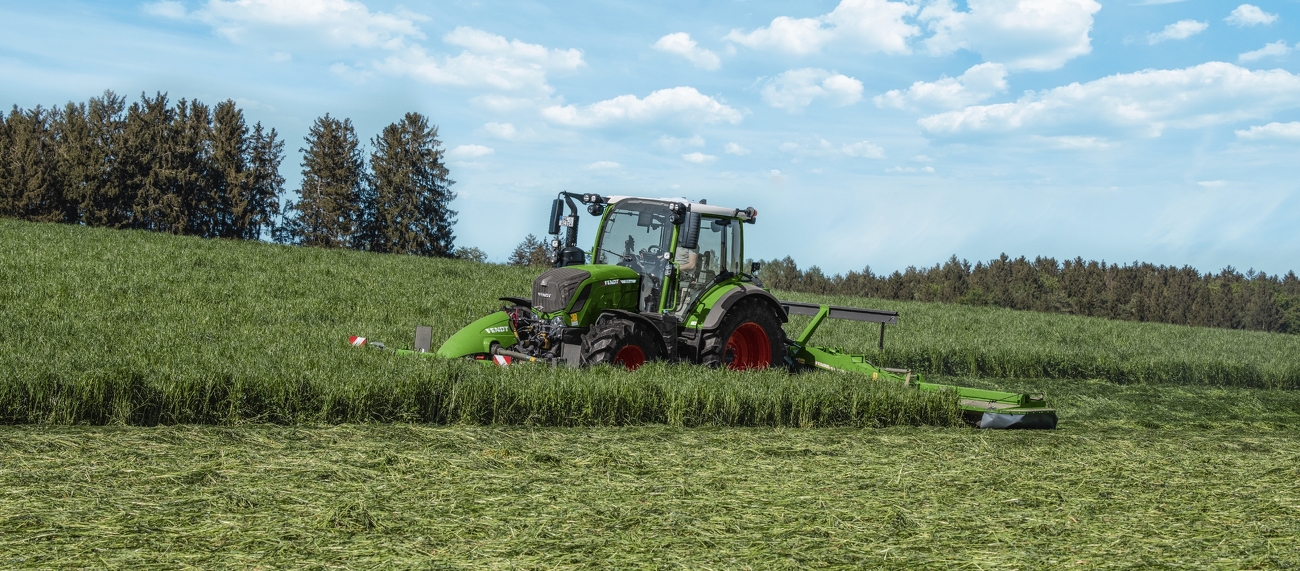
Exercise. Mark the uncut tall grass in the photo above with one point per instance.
(101, 326)
(111, 327)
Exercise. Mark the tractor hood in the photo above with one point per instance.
(582, 288)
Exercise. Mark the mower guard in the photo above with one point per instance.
(985, 408)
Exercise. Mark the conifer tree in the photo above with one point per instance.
(150, 164)
(257, 207)
(530, 252)
(229, 180)
(90, 149)
(408, 210)
(29, 186)
(328, 211)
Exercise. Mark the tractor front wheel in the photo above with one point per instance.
(749, 337)
(619, 342)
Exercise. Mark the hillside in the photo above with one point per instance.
(81, 302)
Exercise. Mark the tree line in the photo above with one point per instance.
(1137, 292)
(193, 169)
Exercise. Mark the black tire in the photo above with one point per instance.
(619, 342)
(743, 317)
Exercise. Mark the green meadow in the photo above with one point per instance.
(184, 403)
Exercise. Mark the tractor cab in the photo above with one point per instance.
(677, 247)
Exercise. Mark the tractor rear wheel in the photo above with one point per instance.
(619, 342)
(749, 337)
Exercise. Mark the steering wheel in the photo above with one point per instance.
(653, 251)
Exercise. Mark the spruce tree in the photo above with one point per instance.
(229, 181)
(30, 187)
(530, 252)
(408, 211)
(90, 151)
(150, 166)
(203, 211)
(259, 204)
(328, 211)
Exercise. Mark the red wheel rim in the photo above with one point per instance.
(748, 348)
(630, 356)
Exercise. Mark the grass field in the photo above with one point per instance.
(81, 306)
(1178, 448)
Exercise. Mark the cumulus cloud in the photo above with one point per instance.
(340, 23)
(466, 152)
(681, 44)
(1275, 49)
(864, 149)
(680, 103)
(1179, 30)
(1286, 131)
(506, 131)
(488, 60)
(699, 158)
(604, 165)
(978, 83)
(735, 149)
(1145, 102)
(797, 88)
(869, 25)
(1249, 15)
(1035, 35)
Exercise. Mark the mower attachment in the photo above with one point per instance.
(985, 408)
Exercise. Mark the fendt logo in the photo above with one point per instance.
(543, 294)
(501, 329)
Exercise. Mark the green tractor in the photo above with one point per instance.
(667, 281)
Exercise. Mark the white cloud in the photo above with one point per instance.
(465, 152)
(797, 88)
(680, 103)
(1278, 48)
(1249, 15)
(604, 165)
(505, 131)
(1212, 183)
(698, 158)
(735, 149)
(674, 144)
(978, 83)
(1288, 131)
(864, 149)
(893, 170)
(681, 44)
(1033, 35)
(488, 60)
(1145, 102)
(871, 25)
(1179, 30)
(340, 23)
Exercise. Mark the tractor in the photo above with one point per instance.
(667, 281)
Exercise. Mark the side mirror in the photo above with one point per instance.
(690, 232)
(753, 267)
(557, 210)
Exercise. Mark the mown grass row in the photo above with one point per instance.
(460, 392)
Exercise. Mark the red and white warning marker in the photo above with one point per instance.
(502, 360)
(357, 341)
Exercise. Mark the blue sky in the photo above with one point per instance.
(866, 132)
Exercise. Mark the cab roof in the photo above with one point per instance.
(744, 214)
